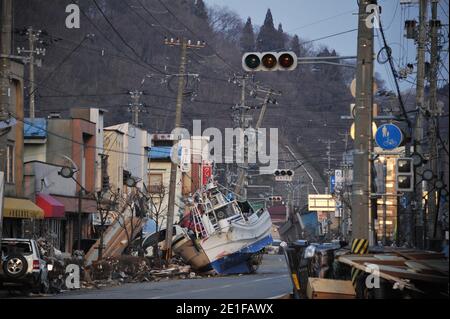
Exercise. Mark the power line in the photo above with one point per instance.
(394, 73)
(123, 39)
(318, 21)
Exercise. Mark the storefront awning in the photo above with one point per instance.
(88, 206)
(21, 208)
(52, 207)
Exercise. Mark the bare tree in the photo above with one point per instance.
(130, 216)
(106, 206)
(158, 211)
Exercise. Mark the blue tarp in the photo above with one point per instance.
(162, 152)
(35, 128)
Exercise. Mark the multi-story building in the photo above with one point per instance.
(17, 209)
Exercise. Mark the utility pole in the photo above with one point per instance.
(135, 107)
(242, 108)
(5, 40)
(33, 39)
(418, 129)
(185, 45)
(434, 116)
(268, 99)
(328, 171)
(363, 126)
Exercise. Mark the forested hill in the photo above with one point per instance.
(120, 47)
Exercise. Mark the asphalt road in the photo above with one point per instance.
(271, 280)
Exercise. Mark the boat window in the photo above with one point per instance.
(225, 212)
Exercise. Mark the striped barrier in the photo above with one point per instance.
(359, 247)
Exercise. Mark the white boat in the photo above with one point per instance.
(231, 234)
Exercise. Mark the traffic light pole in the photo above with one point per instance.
(363, 126)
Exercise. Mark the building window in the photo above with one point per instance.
(155, 182)
(10, 163)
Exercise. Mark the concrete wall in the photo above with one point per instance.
(43, 178)
(96, 116)
(59, 146)
(15, 136)
(163, 167)
(136, 143)
(35, 152)
(113, 144)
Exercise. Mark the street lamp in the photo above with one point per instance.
(68, 172)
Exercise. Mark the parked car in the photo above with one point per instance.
(274, 248)
(21, 266)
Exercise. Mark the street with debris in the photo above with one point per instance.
(271, 281)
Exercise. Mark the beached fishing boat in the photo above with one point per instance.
(231, 234)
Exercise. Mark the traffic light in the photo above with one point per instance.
(283, 174)
(275, 198)
(269, 61)
(404, 174)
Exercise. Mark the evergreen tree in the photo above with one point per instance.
(248, 37)
(281, 38)
(200, 9)
(267, 37)
(295, 45)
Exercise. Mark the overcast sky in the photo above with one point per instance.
(313, 19)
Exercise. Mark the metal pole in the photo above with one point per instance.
(5, 39)
(363, 127)
(384, 203)
(31, 40)
(418, 129)
(174, 166)
(434, 154)
(241, 178)
(80, 198)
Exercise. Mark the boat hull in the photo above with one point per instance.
(230, 250)
(240, 261)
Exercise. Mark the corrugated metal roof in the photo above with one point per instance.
(35, 128)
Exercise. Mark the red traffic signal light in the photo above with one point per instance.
(269, 61)
(286, 60)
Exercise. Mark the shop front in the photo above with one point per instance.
(17, 213)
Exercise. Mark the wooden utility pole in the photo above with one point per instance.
(5, 40)
(434, 117)
(185, 45)
(418, 129)
(363, 126)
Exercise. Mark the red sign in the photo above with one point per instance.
(206, 173)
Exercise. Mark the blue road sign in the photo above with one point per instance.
(332, 183)
(404, 201)
(389, 136)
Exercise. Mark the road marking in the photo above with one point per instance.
(279, 296)
(269, 278)
(220, 287)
